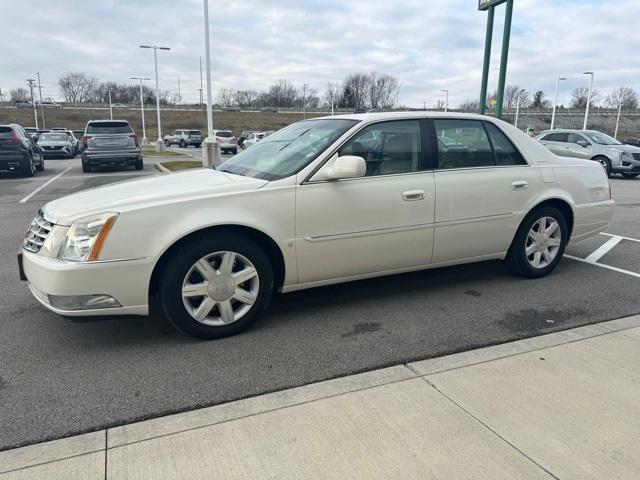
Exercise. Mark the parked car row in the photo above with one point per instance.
(613, 155)
(19, 152)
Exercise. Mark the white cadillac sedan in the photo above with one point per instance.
(321, 201)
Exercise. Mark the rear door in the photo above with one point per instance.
(110, 136)
(557, 143)
(482, 185)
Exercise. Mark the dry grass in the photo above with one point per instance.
(151, 152)
(181, 165)
(76, 119)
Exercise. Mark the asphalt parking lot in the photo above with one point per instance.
(59, 377)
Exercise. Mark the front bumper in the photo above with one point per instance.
(127, 281)
(58, 152)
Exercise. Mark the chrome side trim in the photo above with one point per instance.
(367, 233)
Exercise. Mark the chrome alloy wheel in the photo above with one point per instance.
(543, 242)
(220, 288)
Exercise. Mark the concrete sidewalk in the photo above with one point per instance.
(563, 406)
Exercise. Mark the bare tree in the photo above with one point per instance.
(77, 87)
(355, 90)
(246, 98)
(226, 96)
(281, 93)
(332, 95)
(579, 97)
(381, 89)
(511, 95)
(539, 101)
(470, 106)
(19, 95)
(625, 96)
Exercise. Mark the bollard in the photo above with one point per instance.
(211, 154)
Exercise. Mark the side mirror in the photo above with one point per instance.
(583, 143)
(347, 166)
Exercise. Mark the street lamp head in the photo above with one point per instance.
(588, 73)
(562, 78)
(146, 46)
(164, 48)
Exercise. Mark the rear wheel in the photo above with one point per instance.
(539, 243)
(606, 164)
(139, 165)
(86, 167)
(630, 175)
(216, 286)
(167, 143)
(234, 151)
(30, 168)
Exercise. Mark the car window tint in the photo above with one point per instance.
(97, 128)
(224, 134)
(556, 137)
(575, 138)
(6, 132)
(462, 144)
(388, 148)
(506, 153)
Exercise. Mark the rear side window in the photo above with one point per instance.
(463, 144)
(556, 137)
(98, 128)
(506, 153)
(224, 134)
(6, 132)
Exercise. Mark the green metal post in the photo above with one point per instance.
(503, 59)
(487, 59)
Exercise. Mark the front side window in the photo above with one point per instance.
(462, 144)
(575, 138)
(289, 150)
(556, 137)
(388, 148)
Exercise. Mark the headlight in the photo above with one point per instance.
(626, 156)
(86, 238)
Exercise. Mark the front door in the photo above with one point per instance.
(380, 222)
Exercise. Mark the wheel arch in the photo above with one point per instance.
(270, 247)
(561, 204)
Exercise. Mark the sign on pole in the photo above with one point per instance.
(485, 4)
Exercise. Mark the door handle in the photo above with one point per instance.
(413, 195)
(519, 185)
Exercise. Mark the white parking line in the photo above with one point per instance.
(609, 267)
(28, 197)
(620, 236)
(603, 249)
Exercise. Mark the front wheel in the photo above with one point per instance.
(606, 164)
(630, 175)
(40, 166)
(539, 243)
(183, 144)
(167, 143)
(216, 286)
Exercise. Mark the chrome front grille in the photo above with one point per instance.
(636, 156)
(38, 231)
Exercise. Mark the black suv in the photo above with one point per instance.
(18, 151)
(110, 143)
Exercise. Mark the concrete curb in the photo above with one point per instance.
(162, 168)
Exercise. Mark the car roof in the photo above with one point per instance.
(569, 130)
(376, 116)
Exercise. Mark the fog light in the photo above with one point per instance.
(626, 164)
(83, 302)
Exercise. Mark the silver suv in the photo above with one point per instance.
(184, 138)
(614, 156)
(110, 143)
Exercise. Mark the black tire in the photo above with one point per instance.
(86, 167)
(630, 175)
(606, 163)
(167, 143)
(139, 165)
(174, 272)
(516, 258)
(234, 151)
(40, 166)
(30, 168)
(198, 145)
(183, 144)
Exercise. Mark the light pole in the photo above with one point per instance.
(31, 82)
(159, 144)
(201, 84)
(446, 101)
(207, 64)
(41, 106)
(555, 101)
(110, 107)
(515, 123)
(615, 135)
(586, 112)
(144, 130)
(304, 100)
(179, 96)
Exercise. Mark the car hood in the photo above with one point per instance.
(53, 144)
(624, 148)
(149, 191)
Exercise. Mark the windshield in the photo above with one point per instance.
(601, 138)
(54, 137)
(288, 150)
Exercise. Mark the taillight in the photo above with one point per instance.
(14, 140)
(233, 139)
(85, 140)
(135, 139)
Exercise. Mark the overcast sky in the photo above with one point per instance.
(429, 45)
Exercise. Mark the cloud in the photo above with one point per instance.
(429, 46)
